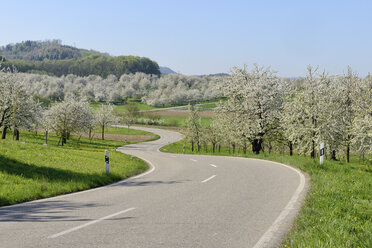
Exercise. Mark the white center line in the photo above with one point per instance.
(209, 178)
(89, 223)
(193, 160)
(213, 165)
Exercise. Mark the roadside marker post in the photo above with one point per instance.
(107, 161)
(321, 153)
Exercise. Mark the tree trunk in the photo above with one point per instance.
(257, 146)
(17, 134)
(3, 135)
(90, 132)
(270, 147)
(290, 148)
(348, 153)
(213, 147)
(192, 146)
(103, 132)
(245, 148)
(233, 146)
(313, 150)
(46, 137)
(333, 155)
(219, 147)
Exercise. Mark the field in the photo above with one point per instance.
(168, 115)
(338, 208)
(30, 170)
(123, 134)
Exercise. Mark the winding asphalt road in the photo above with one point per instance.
(182, 201)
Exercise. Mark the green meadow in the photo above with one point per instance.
(30, 170)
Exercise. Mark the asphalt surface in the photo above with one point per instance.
(182, 201)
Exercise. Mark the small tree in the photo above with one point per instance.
(104, 117)
(193, 125)
(131, 111)
(67, 117)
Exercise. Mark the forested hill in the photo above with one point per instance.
(40, 50)
(53, 58)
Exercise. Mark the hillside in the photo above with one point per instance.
(166, 70)
(40, 50)
(53, 58)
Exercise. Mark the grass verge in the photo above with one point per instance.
(30, 170)
(338, 208)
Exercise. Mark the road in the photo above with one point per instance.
(182, 201)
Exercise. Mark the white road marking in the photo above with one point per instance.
(89, 223)
(213, 165)
(264, 241)
(209, 178)
(174, 156)
(193, 160)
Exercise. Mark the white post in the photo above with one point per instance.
(321, 153)
(107, 161)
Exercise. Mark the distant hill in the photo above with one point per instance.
(166, 70)
(40, 50)
(51, 57)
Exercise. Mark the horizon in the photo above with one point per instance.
(201, 38)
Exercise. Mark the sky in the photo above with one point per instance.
(205, 37)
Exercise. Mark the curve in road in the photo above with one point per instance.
(182, 201)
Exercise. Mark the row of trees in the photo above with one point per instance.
(19, 110)
(173, 89)
(101, 65)
(262, 111)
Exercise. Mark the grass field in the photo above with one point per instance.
(179, 121)
(122, 131)
(169, 118)
(121, 107)
(338, 208)
(30, 170)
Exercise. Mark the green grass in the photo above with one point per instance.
(30, 170)
(121, 107)
(179, 121)
(338, 208)
(122, 131)
(207, 106)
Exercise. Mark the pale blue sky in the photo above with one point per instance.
(202, 37)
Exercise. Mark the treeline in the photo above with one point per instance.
(41, 50)
(263, 112)
(152, 89)
(53, 58)
(91, 65)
